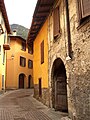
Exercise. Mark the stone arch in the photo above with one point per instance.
(59, 85)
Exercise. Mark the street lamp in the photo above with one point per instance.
(12, 56)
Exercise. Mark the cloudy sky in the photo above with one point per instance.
(20, 11)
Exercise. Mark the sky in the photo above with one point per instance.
(20, 11)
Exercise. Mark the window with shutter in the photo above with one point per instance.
(42, 52)
(23, 46)
(2, 82)
(30, 50)
(30, 64)
(56, 22)
(84, 9)
(3, 57)
(22, 61)
(5, 37)
(8, 40)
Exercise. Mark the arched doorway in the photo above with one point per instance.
(29, 81)
(21, 80)
(59, 86)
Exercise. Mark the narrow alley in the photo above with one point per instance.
(45, 60)
(20, 105)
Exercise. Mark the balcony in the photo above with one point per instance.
(6, 46)
(1, 29)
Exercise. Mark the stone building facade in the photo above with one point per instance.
(68, 54)
(69, 58)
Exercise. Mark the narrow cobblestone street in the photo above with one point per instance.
(20, 105)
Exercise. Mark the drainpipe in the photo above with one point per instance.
(68, 32)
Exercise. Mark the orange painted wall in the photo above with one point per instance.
(13, 65)
(41, 70)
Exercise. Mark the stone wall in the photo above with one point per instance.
(44, 98)
(78, 68)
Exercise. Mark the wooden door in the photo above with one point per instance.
(21, 81)
(40, 87)
(61, 95)
(29, 81)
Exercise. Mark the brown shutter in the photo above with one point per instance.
(79, 9)
(85, 7)
(56, 22)
(42, 52)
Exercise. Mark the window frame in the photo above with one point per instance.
(5, 37)
(8, 40)
(56, 22)
(30, 50)
(30, 66)
(3, 58)
(81, 17)
(23, 46)
(21, 64)
(3, 82)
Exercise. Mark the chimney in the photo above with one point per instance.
(14, 32)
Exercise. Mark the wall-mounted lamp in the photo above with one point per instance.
(12, 56)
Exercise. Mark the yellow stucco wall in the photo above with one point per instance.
(41, 70)
(13, 65)
(2, 64)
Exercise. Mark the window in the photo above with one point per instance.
(8, 40)
(0, 49)
(30, 50)
(56, 22)
(30, 64)
(2, 21)
(3, 57)
(84, 9)
(5, 37)
(23, 46)
(2, 82)
(42, 52)
(22, 61)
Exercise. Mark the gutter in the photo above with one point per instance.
(68, 57)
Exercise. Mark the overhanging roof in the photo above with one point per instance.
(4, 13)
(17, 36)
(40, 14)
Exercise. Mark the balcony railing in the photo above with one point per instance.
(6, 46)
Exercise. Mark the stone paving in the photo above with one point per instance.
(20, 105)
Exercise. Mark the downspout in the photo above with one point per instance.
(68, 57)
